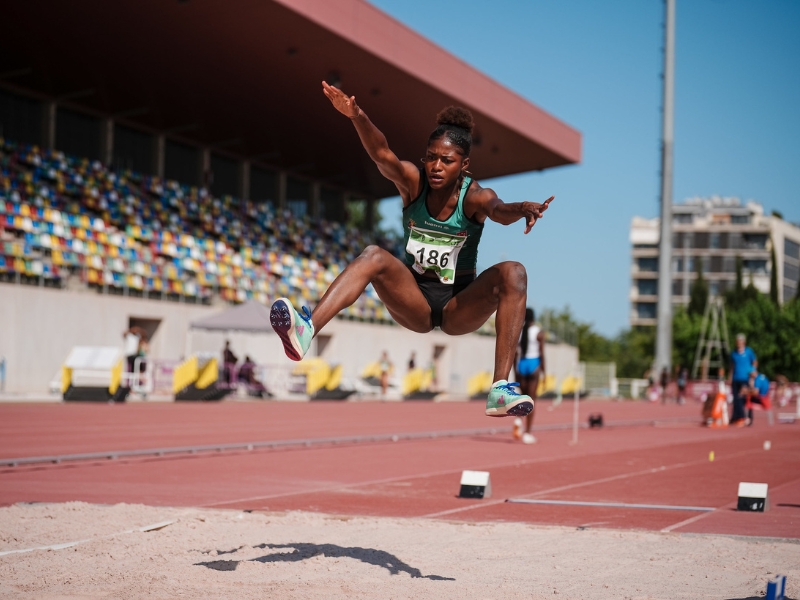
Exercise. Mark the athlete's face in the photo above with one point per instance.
(444, 162)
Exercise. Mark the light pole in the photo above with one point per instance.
(664, 311)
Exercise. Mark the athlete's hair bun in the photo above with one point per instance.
(456, 116)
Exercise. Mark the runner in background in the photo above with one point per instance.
(530, 370)
(435, 283)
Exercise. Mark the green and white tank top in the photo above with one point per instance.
(443, 247)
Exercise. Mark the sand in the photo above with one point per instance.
(232, 554)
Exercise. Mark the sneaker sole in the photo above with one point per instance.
(281, 317)
(520, 408)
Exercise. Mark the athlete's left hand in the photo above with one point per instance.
(533, 211)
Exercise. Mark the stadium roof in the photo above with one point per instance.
(244, 76)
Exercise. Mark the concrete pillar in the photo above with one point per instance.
(206, 175)
(49, 112)
(107, 142)
(159, 156)
(316, 193)
(244, 180)
(282, 184)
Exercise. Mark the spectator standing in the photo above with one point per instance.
(412, 361)
(743, 364)
(229, 360)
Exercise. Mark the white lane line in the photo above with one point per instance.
(153, 527)
(684, 522)
(611, 504)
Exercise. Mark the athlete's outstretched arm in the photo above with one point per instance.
(402, 173)
(486, 205)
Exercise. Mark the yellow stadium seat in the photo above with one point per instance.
(570, 385)
(412, 381)
(480, 383)
(546, 384)
(335, 379)
(372, 370)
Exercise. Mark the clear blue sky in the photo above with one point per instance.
(597, 66)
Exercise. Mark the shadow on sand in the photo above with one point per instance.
(301, 551)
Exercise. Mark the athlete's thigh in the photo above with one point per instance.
(471, 308)
(399, 292)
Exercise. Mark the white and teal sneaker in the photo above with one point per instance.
(294, 329)
(505, 401)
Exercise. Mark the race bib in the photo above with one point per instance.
(435, 251)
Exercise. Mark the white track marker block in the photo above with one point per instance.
(475, 484)
(776, 589)
(752, 497)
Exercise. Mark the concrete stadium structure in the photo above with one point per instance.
(227, 96)
(40, 327)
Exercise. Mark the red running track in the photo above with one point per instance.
(666, 463)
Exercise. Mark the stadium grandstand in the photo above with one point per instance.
(190, 158)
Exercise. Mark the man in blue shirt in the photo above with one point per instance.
(743, 364)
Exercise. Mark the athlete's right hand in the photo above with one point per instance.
(341, 102)
(533, 211)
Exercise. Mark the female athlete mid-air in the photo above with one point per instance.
(435, 284)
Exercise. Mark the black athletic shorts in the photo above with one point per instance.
(438, 294)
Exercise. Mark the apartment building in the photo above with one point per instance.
(714, 231)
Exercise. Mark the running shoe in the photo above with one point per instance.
(295, 329)
(517, 431)
(505, 401)
(528, 438)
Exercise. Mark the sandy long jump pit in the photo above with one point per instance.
(212, 553)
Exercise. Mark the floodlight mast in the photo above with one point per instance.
(664, 315)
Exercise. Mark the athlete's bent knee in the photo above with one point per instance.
(374, 254)
(515, 277)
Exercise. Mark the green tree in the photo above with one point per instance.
(633, 351)
(685, 334)
(698, 294)
(788, 334)
(773, 276)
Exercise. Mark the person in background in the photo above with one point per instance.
(758, 393)
(529, 369)
(783, 393)
(135, 345)
(743, 363)
(683, 378)
(386, 367)
(664, 382)
(412, 361)
(247, 375)
(229, 360)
